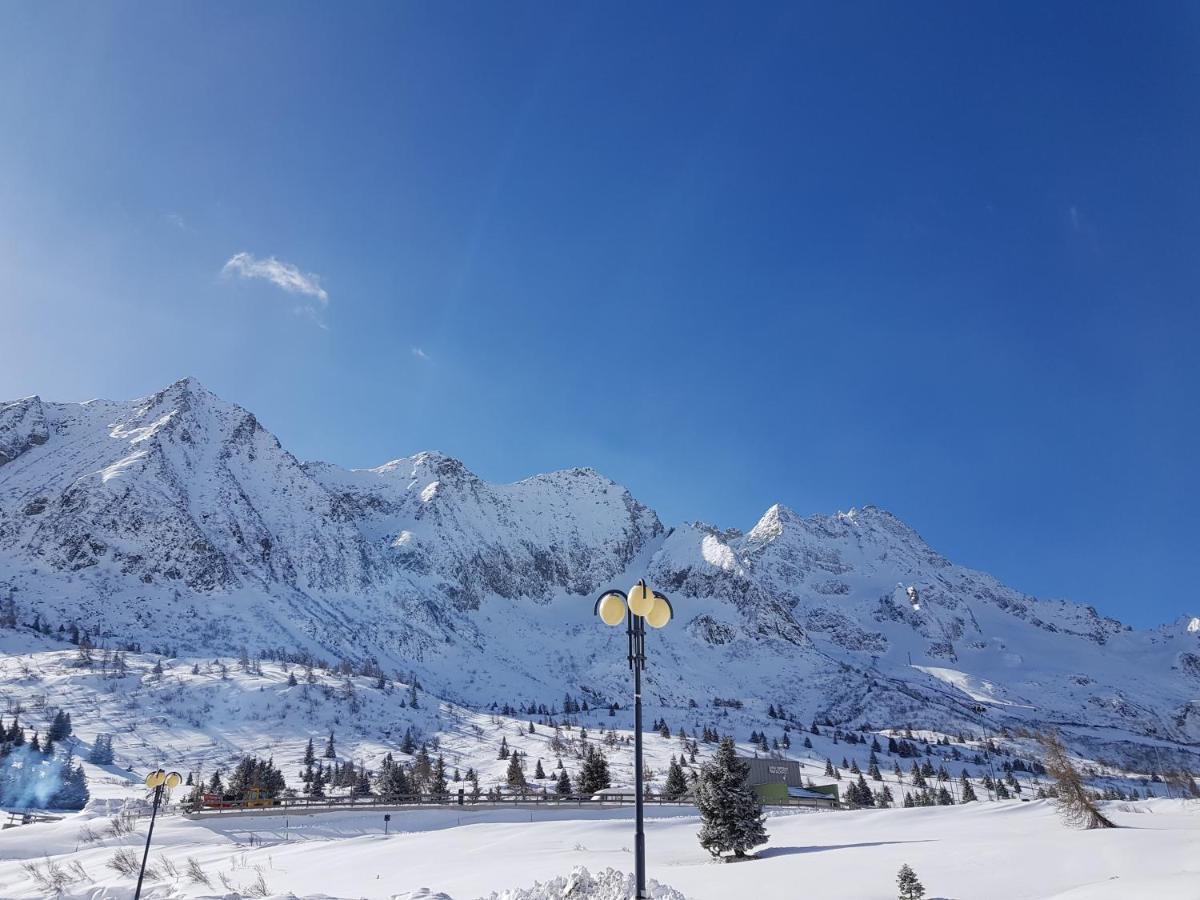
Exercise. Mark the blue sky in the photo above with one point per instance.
(937, 257)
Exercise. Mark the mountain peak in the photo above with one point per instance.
(22, 425)
(428, 465)
(772, 524)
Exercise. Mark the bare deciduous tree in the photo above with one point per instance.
(1074, 803)
(1183, 782)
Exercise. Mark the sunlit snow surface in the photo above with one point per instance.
(1007, 851)
(976, 688)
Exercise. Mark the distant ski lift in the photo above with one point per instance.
(913, 597)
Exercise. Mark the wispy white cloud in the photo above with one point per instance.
(279, 273)
(174, 218)
(309, 311)
(420, 354)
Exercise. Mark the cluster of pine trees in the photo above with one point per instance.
(35, 773)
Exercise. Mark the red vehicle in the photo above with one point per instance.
(252, 798)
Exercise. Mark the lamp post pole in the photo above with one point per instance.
(639, 606)
(637, 659)
(160, 781)
(158, 789)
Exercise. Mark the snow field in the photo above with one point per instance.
(1013, 850)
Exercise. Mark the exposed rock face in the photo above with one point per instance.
(178, 520)
(22, 425)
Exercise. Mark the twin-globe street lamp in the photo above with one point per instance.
(639, 606)
(160, 781)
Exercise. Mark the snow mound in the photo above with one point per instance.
(582, 885)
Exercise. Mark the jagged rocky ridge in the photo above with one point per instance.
(178, 521)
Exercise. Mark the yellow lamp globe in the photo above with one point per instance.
(641, 599)
(155, 778)
(611, 609)
(660, 612)
(173, 780)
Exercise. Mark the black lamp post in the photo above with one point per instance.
(161, 782)
(639, 606)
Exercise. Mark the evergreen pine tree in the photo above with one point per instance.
(330, 752)
(593, 774)
(422, 770)
(538, 772)
(438, 787)
(73, 790)
(910, 887)
(563, 786)
(515, 777)
(362, 784)
(393, 782)
(60, 727)
(730, 813)
(676, 785)
(865, 797)
(317, 787)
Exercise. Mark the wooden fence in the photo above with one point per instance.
(457, 800)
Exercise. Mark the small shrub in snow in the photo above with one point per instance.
(196, 874)
(53, 879)
(124, 862)
(582, 885)
(121, 825)
(259, 887)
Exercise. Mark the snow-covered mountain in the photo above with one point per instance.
(178, 522)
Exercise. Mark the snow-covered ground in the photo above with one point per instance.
(1007, 850)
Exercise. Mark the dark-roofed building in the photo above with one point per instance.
(780, 782)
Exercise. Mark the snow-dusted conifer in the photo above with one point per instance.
(731, 816)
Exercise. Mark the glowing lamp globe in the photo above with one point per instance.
(173, 780)
(611, 609)
(660, 612)
(155, 778)
(641, 599)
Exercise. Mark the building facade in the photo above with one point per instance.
(781, 782)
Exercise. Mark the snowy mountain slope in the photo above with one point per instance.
(177, 521)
